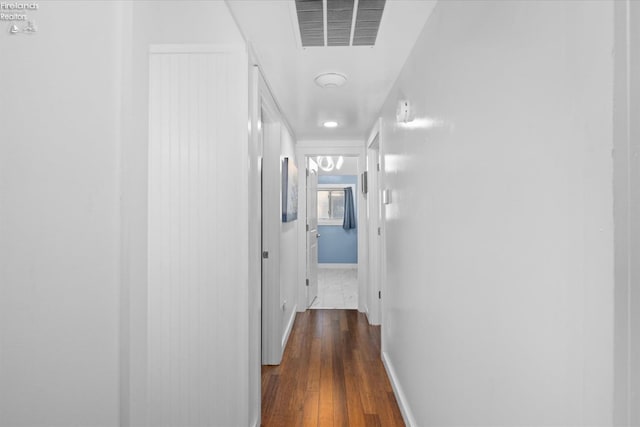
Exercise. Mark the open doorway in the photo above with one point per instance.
(332, 236)
(308, 153)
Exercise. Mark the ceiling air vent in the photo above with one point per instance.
(339, 19)
(367, 22)
(311, 21)
(339, 22)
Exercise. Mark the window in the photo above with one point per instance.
(331, 205)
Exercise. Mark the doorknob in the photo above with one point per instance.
(318, 235)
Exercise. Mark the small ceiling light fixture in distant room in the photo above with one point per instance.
(339, 163)
(325, 163)
(330, 124)
(329, 80)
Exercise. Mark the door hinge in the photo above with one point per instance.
(307, 172)
(307, 227)
(379, 231)
(265, 254)
(307, 282)
(379, 294)
(378, 166)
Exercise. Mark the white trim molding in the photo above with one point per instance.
(407, 415)
(375, 131)
(337, 265)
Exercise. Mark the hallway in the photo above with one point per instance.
(331, 375)
(158, 243)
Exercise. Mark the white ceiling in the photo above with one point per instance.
(272, 29)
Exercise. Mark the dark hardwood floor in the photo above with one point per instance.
(331, 375)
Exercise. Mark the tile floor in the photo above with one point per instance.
(337, 288)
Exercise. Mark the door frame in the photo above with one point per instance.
(374, 230)
(626, 208)
(271, 134)
(311, 282)
(375, 147)
(255, 247)
(306, 149)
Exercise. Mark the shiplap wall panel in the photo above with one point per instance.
(197, 239)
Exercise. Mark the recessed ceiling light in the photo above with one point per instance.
(327, 80)
(330, 124)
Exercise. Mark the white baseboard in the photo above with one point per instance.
(409, 420)
(363, 308)
(370, 320)
(287, 331)
(337, 265)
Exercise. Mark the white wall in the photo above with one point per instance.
(288, 249)
(627, 212)
(499, 292)
(73, 239)
(59, 218)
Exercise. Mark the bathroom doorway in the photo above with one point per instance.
(333, 203)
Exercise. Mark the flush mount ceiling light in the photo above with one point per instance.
(330, 124)
(329, 80)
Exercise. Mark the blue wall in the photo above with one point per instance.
(337, 245)
(338, 179)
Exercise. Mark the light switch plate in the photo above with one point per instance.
(386, 196)
(365, 182)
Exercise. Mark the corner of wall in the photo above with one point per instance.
(289, 327)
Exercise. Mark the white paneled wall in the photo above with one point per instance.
(197, 296)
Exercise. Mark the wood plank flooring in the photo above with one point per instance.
(331, 375)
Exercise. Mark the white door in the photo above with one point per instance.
(312, 232)
(271, 220)
(374, 214)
